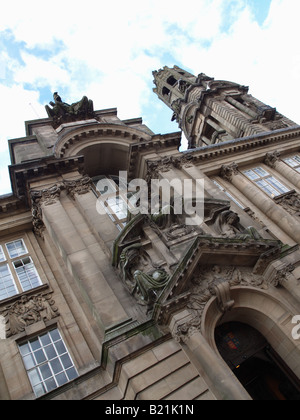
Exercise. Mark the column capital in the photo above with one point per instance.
(79, 186)
(45, 197)
(272, 158)
(227, 171)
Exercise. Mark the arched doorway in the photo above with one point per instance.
(257, 366)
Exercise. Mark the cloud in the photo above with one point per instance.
(107, 51)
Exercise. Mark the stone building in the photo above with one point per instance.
(102, 298)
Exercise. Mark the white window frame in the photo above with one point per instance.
(48, 362)
(266, 181)
(16, 280)
(293, 162)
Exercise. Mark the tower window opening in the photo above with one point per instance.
(165, 91)
(171, 81)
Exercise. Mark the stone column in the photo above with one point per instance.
(274, 162)
(78, 257)
(217, 374)
(275, 212)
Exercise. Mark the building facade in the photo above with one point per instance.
(106, 297)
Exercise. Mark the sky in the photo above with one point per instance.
(107, 51)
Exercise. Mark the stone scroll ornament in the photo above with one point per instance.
(144, 280)
(28, 310)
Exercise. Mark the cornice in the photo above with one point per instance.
(245, 144)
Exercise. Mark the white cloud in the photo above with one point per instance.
(108, 50)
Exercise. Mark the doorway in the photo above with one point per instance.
(258, 367)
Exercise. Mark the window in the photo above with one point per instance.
(228, 194)
(268, 183)
(293, 162)
(116, 203)
(17, 271)
(47, 362)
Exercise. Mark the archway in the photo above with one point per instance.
(255, 363)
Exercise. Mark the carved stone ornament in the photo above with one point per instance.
(290, 202)
(272, 158)
(61, 112)
(46, 197)
(80, 186)
(215, 281)
(28, 310)
(144, 279)
(228, 171)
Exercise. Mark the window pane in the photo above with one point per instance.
(291, 162)
(251, 175)
(261, 172)
(280, 187)
(46, 369)
(2, 256)
(7, 284)
(267, 188)
(27, 274)
(16, 248)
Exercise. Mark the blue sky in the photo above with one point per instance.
(108, 50)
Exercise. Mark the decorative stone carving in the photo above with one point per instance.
(81, 186)
(282, 275)
(215, 281)
(228, 225)
(28, 310)
(62, 112)
(228, 171)
(46, 197)
(141, 276)
(290, 202)
(272, 158)
(176, 107)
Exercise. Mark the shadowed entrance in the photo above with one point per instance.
(257, 366)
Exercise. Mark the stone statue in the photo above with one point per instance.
(228, 225)
(61, 112)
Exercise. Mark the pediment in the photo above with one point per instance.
(212, 261)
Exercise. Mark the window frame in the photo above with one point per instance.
(262, 180)
(40, 355)
(294, 158)
(10, 262)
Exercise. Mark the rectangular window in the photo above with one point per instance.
(268, 183)
(16, 248)
(228, 194)
(293, 162)
(7, 285)
(47, 362)
(27, 274)
(17, 274)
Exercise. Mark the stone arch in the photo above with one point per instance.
(262, 310)
(105, 147)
